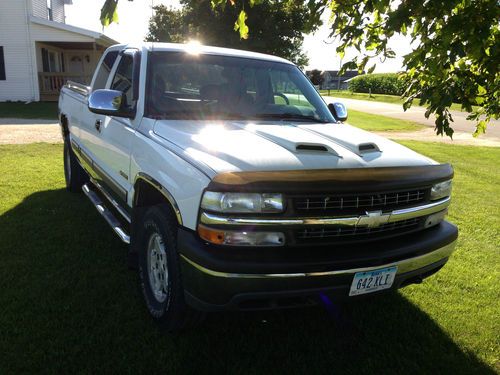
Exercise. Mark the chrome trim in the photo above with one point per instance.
(150, 180)
(404, 266)
(426, 209)
(78, 87)
(109, 181)
(371, 219)
(115, 204)
(106, 214)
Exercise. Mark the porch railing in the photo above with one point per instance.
(51, 83)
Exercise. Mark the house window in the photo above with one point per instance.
(52, 61)
(49, 10)
(2, 65)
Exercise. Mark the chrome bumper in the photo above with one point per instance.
(404, 266)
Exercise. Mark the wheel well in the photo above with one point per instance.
(147, 195)
(64, 126)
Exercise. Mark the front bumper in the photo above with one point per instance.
(249, 279)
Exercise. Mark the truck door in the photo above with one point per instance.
(87, 131)
(110, 137)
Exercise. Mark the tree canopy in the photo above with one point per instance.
(315, 76)
(277, 26)
(455, 56)
(456, 44)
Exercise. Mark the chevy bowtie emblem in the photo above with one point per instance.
(373, 219)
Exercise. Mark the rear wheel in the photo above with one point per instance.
(74, 174)
(159, 270)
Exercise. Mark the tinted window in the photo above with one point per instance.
(123, 78)
(184, 86)
(104, 70)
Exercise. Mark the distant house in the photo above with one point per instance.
(39, 52)
(331, 80)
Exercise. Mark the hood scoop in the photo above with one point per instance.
(311, 147)
(365, 148)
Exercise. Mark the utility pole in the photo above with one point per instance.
(338, 75)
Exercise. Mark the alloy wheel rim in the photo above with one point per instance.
(157, 267)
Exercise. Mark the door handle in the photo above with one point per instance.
(98, 124)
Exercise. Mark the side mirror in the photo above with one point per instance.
(109, 102)
(338, 110)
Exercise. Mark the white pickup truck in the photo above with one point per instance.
(238, 188)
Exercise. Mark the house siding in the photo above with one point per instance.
(24, 30)
(40, 9)
(18, 50)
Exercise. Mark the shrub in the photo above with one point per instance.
(381, 83)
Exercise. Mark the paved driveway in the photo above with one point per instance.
(14, 131)
(416, 114)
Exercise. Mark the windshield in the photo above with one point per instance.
(210, 87)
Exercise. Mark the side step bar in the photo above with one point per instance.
(106, 213)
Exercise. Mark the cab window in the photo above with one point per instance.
(104, 70)
(123, 79)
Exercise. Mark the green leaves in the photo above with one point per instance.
(455, 57)
(274, 27)
(240, 23)
(109, 12)
(241, 26)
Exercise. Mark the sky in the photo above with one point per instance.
(133, 27)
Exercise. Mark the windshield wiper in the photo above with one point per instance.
(290, 116)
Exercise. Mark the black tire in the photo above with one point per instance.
(167, 307)
(74, 174)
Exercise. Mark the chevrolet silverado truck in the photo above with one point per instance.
(238, 188)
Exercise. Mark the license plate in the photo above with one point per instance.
(371, 281)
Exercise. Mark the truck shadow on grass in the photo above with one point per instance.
(69, 302)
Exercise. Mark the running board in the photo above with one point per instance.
(106, 213)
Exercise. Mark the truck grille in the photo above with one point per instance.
(341, 233)
(343, 204)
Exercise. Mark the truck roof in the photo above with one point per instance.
(202, 49)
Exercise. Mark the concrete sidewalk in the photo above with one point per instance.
(416, 114)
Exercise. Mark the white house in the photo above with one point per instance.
(39, 51)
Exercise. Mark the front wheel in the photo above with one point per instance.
(159, 270)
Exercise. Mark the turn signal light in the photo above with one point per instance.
(211, 235)
(234, 238)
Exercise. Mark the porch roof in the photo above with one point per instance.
(50, 31)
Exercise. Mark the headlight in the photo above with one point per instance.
(441, 190)
(242, 202)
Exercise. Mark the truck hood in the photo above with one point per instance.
(231, 146)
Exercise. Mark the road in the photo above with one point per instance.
(416, 114)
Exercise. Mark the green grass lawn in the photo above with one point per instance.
(35, 110)
(370, 122)
(362, 96)
(69, 303)
(395, 99)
